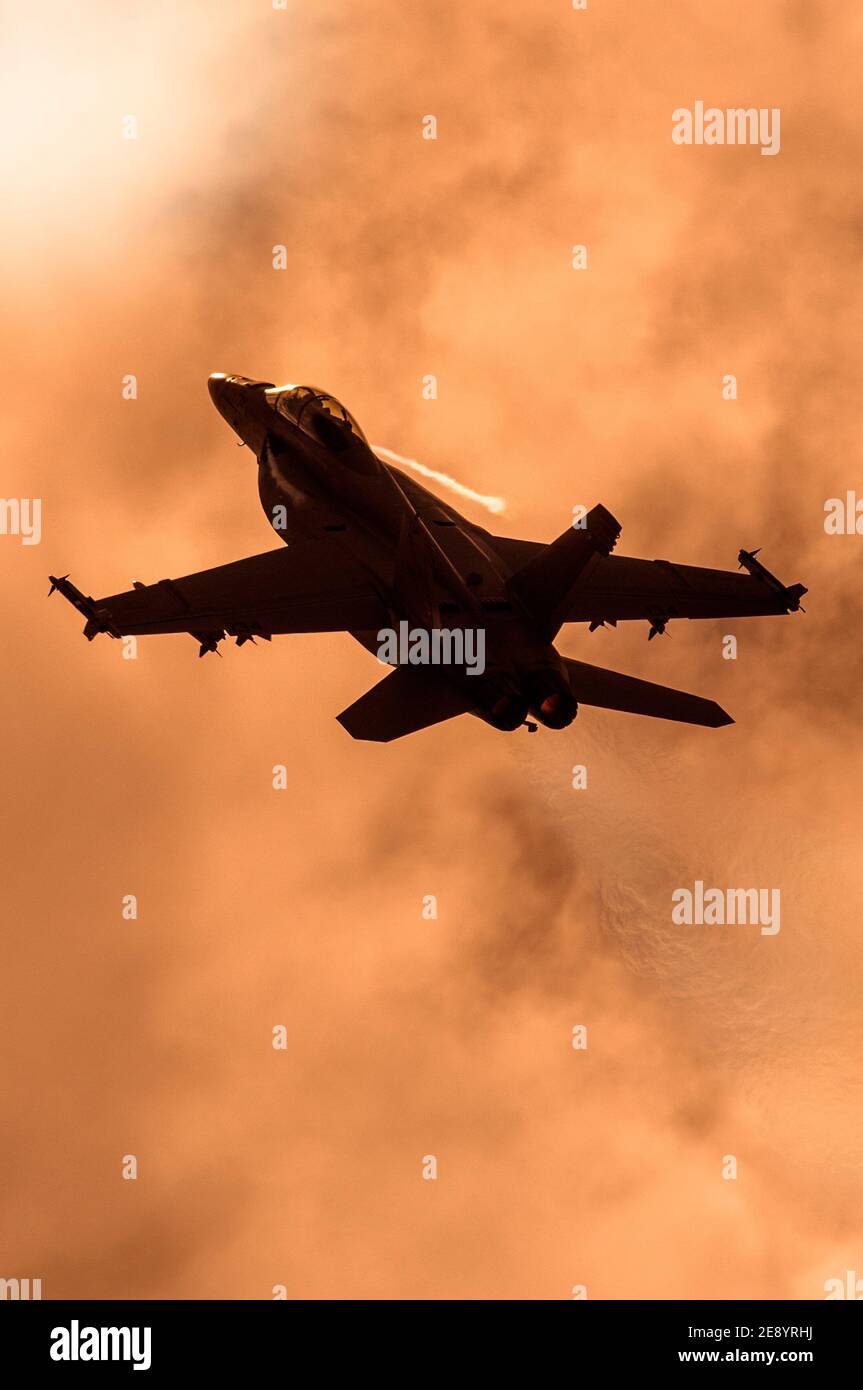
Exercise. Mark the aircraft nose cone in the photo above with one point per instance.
(216, 386)
(226, 393)
(224, 386)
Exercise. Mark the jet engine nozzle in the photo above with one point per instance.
(551, 701)
(507, 712)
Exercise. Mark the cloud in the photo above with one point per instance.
(303, 907)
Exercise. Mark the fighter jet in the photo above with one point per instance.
(369, 551)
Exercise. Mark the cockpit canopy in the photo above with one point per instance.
(320, 415)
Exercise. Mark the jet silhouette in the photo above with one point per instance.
(369, 550)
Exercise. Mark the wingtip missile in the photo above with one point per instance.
(791, 593)
(86, 605)
(746, 559)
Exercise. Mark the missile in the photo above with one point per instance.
(792, 594)
(209, 642)
(97, 620)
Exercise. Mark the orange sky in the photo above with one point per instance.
(302, 907)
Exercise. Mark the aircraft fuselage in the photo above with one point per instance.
(318, 478)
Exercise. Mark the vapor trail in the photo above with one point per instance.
(493, 504)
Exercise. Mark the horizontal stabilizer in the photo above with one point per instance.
(544, 585)
(591, 685)
(409, 699)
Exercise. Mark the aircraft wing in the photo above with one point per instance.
(311, 586)
(615, 588)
